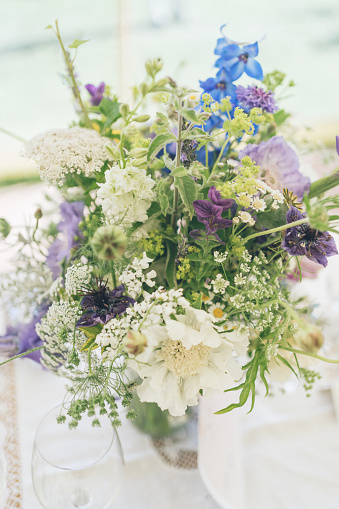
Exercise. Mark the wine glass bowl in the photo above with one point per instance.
(77, 468)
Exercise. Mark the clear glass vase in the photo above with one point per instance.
(82, 467)
(153, 421)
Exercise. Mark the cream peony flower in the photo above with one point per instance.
(181, 358)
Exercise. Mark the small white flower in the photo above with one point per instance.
(275, 205)
(277, 196)
(220, 284)
(246, 218)
(220, 257)
(239, 279)
(77, 276)
(259, 204)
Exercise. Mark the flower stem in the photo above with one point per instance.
(278, 229)
(2, 130)
(314, 355)
(323, 184)
(71, 73)
(22, 354)
(177, 163)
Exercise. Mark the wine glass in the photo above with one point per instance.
(81, 467)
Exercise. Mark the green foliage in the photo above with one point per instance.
(187, 190)
(76, 43)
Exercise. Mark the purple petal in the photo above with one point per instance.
(101, 88)
(197, 234)
(293, 214)
(215, 196)
(205, 209)
(91, 89)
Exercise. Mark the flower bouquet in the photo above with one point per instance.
(169, 271)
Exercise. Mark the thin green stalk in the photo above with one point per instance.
(314, 355)
(22, 354)
(278, 229)
(220, 155)
(12, 135)
(177, 163)
(89, 359)
(71, 73)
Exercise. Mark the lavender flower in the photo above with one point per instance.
(302, 240)
(279, 165)
(256, 97)
(97, 93)
(101, 305)
(27, 336)
(71, 213)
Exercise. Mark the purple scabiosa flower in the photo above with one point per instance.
(302, 240)
(279, 165)
(220, 86)
(71, 213)
(210, 215)
(97, 93)
(237, 59)
(27, 336)
(256, 97)
(101, 305)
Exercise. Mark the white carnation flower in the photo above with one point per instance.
(181, 358)
(127, 194)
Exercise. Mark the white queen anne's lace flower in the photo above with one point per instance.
(77, 276)
(126, 195)
(61, 151)
(133, 276)
(184, 356)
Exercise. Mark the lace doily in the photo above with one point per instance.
(8, 421)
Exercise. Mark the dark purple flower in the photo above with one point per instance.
(215, 197)
(97, 93)
(101, 305)
(210, 215)
(279, 165)
(71, 213)
(302, 240)
(256, 97)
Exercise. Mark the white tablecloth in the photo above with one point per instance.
(288, 452)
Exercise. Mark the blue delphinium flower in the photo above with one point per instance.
(302, 240)
(238, 59)
(220, 86)
(97, 93)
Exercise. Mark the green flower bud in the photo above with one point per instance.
(318, 218)
(162, 82)
(38, 214)
(124, 110)
(135, 342)
(138, 152)
(144, 89)
(109, 242)
(5, 228)
(141, 118)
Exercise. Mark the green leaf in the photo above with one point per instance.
(88, 344)
(197, 134)
(92, 332)
(274, 218)
(49, 27)
(111, 111)
(280, 117)
(179, 172)
(191, 115)
(170, 263)
(198, 303)
(188, 191)
(164, 192)
(158, 143)
(76, 43)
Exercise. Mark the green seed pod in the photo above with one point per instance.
(109, 242)
(124, 110)
(141, 118)
(38, 214)
(135, 342)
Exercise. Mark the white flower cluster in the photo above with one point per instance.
(62, 151)
(56, 330)
(220, 257)
(77, 276)
(220, 284)
(152, 310)
(126, 195)
(133, 276)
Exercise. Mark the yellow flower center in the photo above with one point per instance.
(183, 362)
(218, 313)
